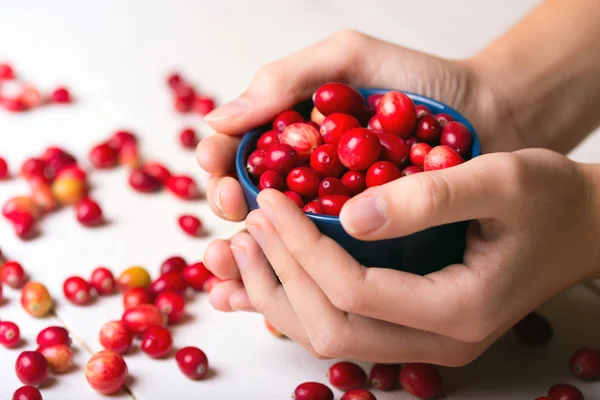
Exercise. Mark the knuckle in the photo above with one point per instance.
(269, 77)
(346, 300)
(435, 195)
(462, 357)
(347, 36)
(327, 344)
(513, 169)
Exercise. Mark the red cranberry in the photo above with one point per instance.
(358, 394)
(129, 156)
(27, 393)
(60, 95)
(10, 334)
(418, 152)
(443, 118)
(410, 170)
(381, 173)
(441, 157)
(195, 275)
(53, 335)
(54, 152)
(13, 104)
(312, 391)
(332, 186)
(338, 98)
(136, 296)
(32, 368)
(304, 138)
(422, 110)
(335, 125)
(103, 281)
(564, 391)
(174, 80)
(313, 207)
(24, 225)
(72, 172)
(358, 149)
(182, 104)
(106, 372)
(88, 212)
(375, 125)
(114, 336)
(36, 300)
(192, 362)
(157, 342)
(457, 136)
(34, 167)
(303, 181)
(267, 139)
(325, 162)
(103, 156)
(286, 118)
(59, 357)
(141, 181)
(203, 105)
(393, 148)
(281, 157)
(190, 225)
(169, 282)
(158, 171)
(138, 319)
(173, 264)
(384, 376)
(7, 72)
(121, 138)
(3, 169)
(188, 138)
(13, 274)
(172, 305)
(373, 100)
(428, 128)
(256, 165)
(585, 364)
(183, 187)
(397, 113)
(270, 180)
(355, 181)
(345, 375)
(77, 290)
(295, 198)
(421, 380)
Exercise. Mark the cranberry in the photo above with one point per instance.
(157, 170)
(103, 281)
(374, 99)
(303, 181)
(203, 105)
(316, 117)
(24, 225)
(59, 357)
(134, 277)
(358, 149)
(325, 162)
(60, 95)
(72, 171)
(422, 110)
(53, 335)
(13, 274)
(69, 190)
(441, 157)
(182, 104)
(397, 113)
(410, 170)
(88, 212)
(169, 282)
(190, 225)
(7, 72)
(3, 169)
(172, 305)
(443, 118)
(256, 163)
(27, 393)
(210, 283)
(33, 167)
(36, 300)
(20, 204)
(358, 394)
(188, 138)
(312, 391)
(313, 207)
(338, 98)
(457, 136)
(286, 118)
(281, 157)
(384, 376)
(106, 372)
(114, 336)
(77, 290)
(103, 156)
(136, 296)
(381, 173)
(274, 331)
(355, 181)
(41, 193)
(375, 125)
(418, 152)
(564, 391)
(192, 362)
(120, 138)
(195, 275)
(585, 364)
(174, 80)
(173, 264)
(32, 368)
(345, 375)
(393, 148)
(142, 181)
(183, 187)
(421, 380)
(13, 104)
(128, 155)
(138, 319)
(428, 128)
(304, 138)
(295, 197)
(332, 186)
(157, 342)
(267, 139)
(270, 180)
(335, 125)
(10, 334)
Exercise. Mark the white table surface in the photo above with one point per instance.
(114, 56)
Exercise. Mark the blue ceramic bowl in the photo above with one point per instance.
(421, 253)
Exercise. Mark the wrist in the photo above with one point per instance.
(591, 174)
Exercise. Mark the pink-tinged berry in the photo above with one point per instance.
(313, 207)
(13, 275)
(157, 342)
(158, 171)
(270, 180)
(20, 204)
(138, 319)
(60, 95)
(418, 152)
(53, 335)
(304, 138)
(192, 362)
(375, 125)
(441, 157)
(285, 119)
(174, 80)
(358, 149)
(303, 181)
(345, 375)
(115, 336)
(77, 290)
(312, 391)
(13, 104)
(295, 197)
(384, 377)
(88, 212)
(374, 99)
(338, 98)
(325, 162)
(41, 193)
(59, 357)
(129, 155)
(103, 156)
(72, 171)
(10, 334)
(358, 394)
(141, 181)
(421, 380)
(32, 368)
(267, 139)
(103, 281)
(397, 113)
(456, 136)
(335, 125)
(188, 138)
(355, 181)
(36, 300)
(183, 186)
(190, 225)
(106, 372)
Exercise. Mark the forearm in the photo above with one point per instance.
(543, 76)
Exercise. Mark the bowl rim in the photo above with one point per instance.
(249, 137)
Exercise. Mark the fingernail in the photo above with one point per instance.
(240, 256)
(257, 233)
(230, 110)
(364, 214)
(268, 210)
(217, 199)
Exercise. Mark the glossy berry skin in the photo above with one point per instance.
(393, 149)
(397, 113)
(304, 138)
(381, 173)
(267, 139)
(169, 282)
(325, 162)
(428, 129)
(295, 197)
(303, 181)
(88, 212)
(457, 136)
(375, 125)
(281, 158)
(173, 264)
(106, 372)
(36, 300)
(53, 335)
(312, 391)
(270, 180)
(10, 334)
(158, 171)
(103, 156)
(188, 138)
(134, 277)
(585, 364)
(358, 394)
(285, 119)
(421, 380)
(59, 357)
(72, 171)
(103, 281)
(190, 225)
(24, 225)
(33, 167)
(373, 100)
(195, 275)
(411, 170)
(32, 368)
(335, 125)
(358, 149)
(138, 319)
(136, 296)
(77, 290)
(346, 375)
(355, 181)
(417, 154)
(114, 336)
(338, 98)
(13, 275)
(313, 207)
(192, 362)
(331, 186)
(141, 181)
(443, 118)
(183, 186)
(256, 165)
(58, 160)
(157, 342)
(121, 138)
(3, 169)
(564, 391)
(384, 377)
(441, 157)
(27, 393)
(172, 305)
(422, 110)
(60, 95)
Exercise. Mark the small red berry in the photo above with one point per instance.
(158, 171)
(103, 156)
(295, 197)
(129, 156)
(325, 162)
(443, 118)
(192, 362)
(312, 391)
(286, 118)
(418, 152)
(397, 113)
(7, 72)
(303, 181)
(270, 180)
(330, 186)
(384, 376)
(281, 157)
(195, 275)
(373, 100)
(73, 172)
(375, 125)
(13, 275)
(3, 169)
(304, 138)
(139, 318)
(564, 391)
(345, 375)
(24, 225)
(32, 368)
(335, 125)
(381, 173)
(182, 104)
(114, 336)
(338, 98)
(393, 148)
(121, 138)
(20, 204)
(157, 342)
(188, 138)
(174, 80)
(36, 300)
(169, 282)
(106, 372)
(27, 393)
(411, 169)
(421, 380)
(141, 181)
(355, 181)
(60, 95)
(428, 129)
(456, 136)
(53, 335)
(34, 167)
(441, 157)
(314, 207)
(183, 187)
(10, 334)
(358, 149)
(358, 394)
(267, 139)
(173, 264)
(256, 165)
(59, 357)
(77, 290)
(585, 364)
(172, 305)
(190, 225)
(136, 296)
(203, 105)
(103, 281)
(88, 212)
(422, 110)
(13, 104)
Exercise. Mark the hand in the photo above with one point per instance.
(534, 235)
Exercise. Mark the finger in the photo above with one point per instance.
(480, 188)
(219, 260)
(220, 294)
(226, 198)
(216, 153)
(239, 300)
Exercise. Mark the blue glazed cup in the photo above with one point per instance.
(420, 253)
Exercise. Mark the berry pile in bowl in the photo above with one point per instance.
(325, 151)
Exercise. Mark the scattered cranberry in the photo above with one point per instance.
(397, 113)
(183, 187)
(421, 380)
(72, 171)
(335, 125)
(190, 225)
(88, 212)
(129, 155)
(138, 319)
(256, 165)
(142, 181)
(564, 391)
(355, 181)
(3, 169)
(358, 394)
(157, 342)
(182, 104)
(345, 375)
(103, 156)
(428, 128)
(381, 173)
(136, 296)
(338, 98)
(393, 148)
(13, 274)
(36, 300)
(169, 282)
(174, 80)
(20, 204)
(443, 119)
(114, 336)
(10, 334)
(134, 277)
(32, 368)
(34, 167)
(411, 170)
(53, 335)
(203, 105)
(13, 104)
(325, 162)
(7, 72)
(441, 157)
(267, 139)
(60, 95)
(106, 372)
(59, 357)
(281, 157)
(332, 186)
(24, 225)
(375, 125)
(422, 110)
(304, 138)
(585, 364)
(69, 190)
(270, 180)
(303, 181)
(384, 376)
(195, 275)
(457, 136)
(103, 281)
(77, 290)
(192, 362)
(120, 138)
(286, 118)
(172, 305)
(158, 171)
(41, 193)
(295, 197)
(418, 152)
(188, 138)
(58, 160)
(358, 149)
(27, 393)
(173, 264)
(312, 391)
(313, 207)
